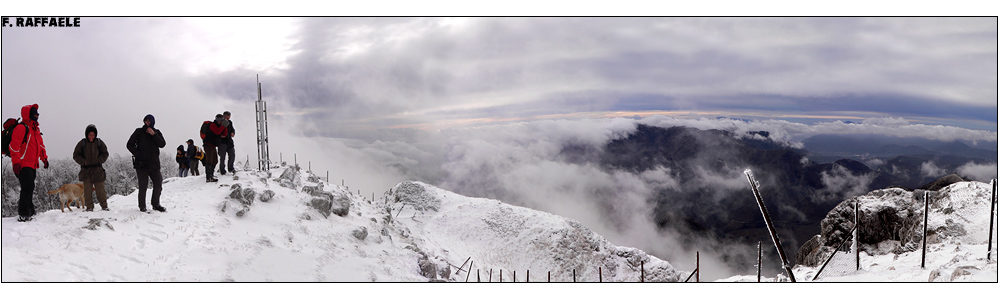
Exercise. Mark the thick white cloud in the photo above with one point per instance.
(978, 172)
(931, 170)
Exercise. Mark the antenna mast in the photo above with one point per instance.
(263, 148)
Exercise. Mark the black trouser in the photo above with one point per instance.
(225, 149)
(211, 159)
(25, 207)
(144, 174)
(231, 151)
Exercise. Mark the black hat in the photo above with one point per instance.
(190, 141)
(90, 128)
(226, 113)
(180, 148)
(152, 120)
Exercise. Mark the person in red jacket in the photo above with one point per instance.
(25, 156)
(213, 138)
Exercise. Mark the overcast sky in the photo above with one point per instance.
(345, 77)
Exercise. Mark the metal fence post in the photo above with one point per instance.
(992, 217)
(698, 264)
(759, 262)
(770, 225)
(856, 231)
(926, 217)
(469, 272)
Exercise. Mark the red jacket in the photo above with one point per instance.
(28, 153)
(219, 131)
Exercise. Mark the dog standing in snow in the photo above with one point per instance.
(69, 193)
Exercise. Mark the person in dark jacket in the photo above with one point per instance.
(145, 144)
(216, 130)
(24, 158)
(192, 153)
(227, 146)
(91, 153)
(183, 164)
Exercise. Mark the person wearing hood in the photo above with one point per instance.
(145, 144)
(183, 163)
(24, 159)
(91, 153)
(192, 155)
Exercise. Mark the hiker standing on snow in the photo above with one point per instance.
(145, 144)
(183, 163)
(227, 146)
(26, 148)
(213, 132)
(192, 155)
(91, 153)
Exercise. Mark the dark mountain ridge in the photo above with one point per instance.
(714, 196)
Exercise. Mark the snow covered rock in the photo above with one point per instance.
(97, 223)
(267, 195)
(360, 233)
(452, 227)
(891, 224)
(290, 178)
(327, 203)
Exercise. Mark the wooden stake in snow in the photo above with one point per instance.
(478, 278)
(600, 270)
(643, 271)
(770, 225)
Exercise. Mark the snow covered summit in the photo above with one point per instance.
(287, 225)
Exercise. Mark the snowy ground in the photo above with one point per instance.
(285, 240)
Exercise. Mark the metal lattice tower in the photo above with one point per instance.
(263, 149)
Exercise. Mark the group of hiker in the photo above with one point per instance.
(216, 138)
(23, 143)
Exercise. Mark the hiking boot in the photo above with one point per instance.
(160, 209)
(143, 210)
(23, 218)
(105, 209)
(89, 210)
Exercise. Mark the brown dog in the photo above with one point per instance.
(69, 193)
